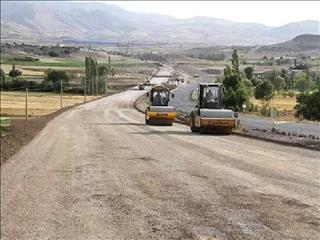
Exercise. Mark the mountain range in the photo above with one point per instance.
(56, 21)
(306, 44)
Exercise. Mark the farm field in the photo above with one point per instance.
(39, 104)
(279, 102)
(283, 105)
(129, 72)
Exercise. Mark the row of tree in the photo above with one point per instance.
(96, 76)
(52, 82)
(94, 82)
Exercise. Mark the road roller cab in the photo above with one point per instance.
(209, 114)
(159, 112)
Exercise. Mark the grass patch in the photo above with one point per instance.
(4, 126)
(62, 63)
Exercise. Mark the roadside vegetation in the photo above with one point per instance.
(4, 126)
(237, 87)
(290, 92)
(48, 71)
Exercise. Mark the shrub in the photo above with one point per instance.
(302, 82)
(308, 105)
(2, 76)
(284, 94)
(53, 78)
(291, 94)
(53, 54)
(264, 91)
(14, 72)
(249, 72)
(265, 111)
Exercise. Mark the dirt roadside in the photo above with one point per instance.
(22, 131)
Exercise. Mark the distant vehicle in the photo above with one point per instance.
(158, 112)
(147, 82)
(196, 75)
(209, 114)
(141, 86)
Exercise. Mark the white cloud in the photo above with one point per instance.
(273, 13)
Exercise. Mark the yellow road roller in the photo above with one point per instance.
(159, 112)
(209, 116)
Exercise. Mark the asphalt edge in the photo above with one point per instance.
(288, 144)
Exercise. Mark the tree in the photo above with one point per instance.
(88, 74)
(315, 78)
(14, 72)
(91, 71)
(96, 75)
(249, 72)
(53, 79)
(264, 90)
(284, 75)
(2, 75)
(308, 105)
(237, 91)
(53, 54)
(302, 83)
(235, 62)
(279, 83)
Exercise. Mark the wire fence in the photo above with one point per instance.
(33, 101)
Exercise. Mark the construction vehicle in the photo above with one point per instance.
(196, 75)
(209, 116)
(159, 112)
(141, 86)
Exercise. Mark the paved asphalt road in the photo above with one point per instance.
(98, 172)
(183, 103)
(162, 75)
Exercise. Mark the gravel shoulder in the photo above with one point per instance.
(21, 132)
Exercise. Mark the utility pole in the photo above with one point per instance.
(106, 88)
(26, 112)
(60, 94)
(85, 89)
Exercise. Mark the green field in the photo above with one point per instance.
(70, 63)
(62, 63)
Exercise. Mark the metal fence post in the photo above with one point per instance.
(85, 89)
(60, 94)
(106, 85)
(26, 110)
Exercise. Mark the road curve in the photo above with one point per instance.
(98, 172)
(183, 103)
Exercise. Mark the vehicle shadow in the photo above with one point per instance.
(117, 124)
(163, 133)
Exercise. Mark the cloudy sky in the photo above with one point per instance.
(273, 13)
